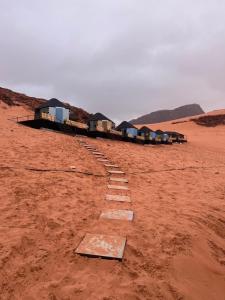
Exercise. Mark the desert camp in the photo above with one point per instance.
(112, 150)
(54, 115)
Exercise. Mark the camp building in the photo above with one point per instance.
(52, 109)
(99, 122)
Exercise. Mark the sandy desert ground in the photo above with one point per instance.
(175, 245)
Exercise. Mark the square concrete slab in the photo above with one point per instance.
(102, 160)
(118, 198)
(99, 245)
(118, 187)
(122, 214)
(100, 156)
(111, 166)
(115, 172)
(118, 179)
(72, 167)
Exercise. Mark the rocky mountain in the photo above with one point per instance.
(210, 121)
(168, 115)
(12, 98)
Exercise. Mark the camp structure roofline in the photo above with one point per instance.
(174, 133)
(159, 131)
(99, 117)
(145, 129)
(51, 103)
(124, 125)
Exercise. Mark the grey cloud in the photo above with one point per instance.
(124, 58)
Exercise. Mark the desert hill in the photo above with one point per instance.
(17, 99)
(175, 245)
(167, 115)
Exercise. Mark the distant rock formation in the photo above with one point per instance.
(17, 99)
(168, 115)
(210, 121)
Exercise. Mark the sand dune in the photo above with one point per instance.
(175, 246)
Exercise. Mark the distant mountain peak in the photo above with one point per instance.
(159, 116)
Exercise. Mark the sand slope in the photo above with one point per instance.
(176, 244)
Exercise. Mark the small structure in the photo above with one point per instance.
(145, 131)
(176, 136)
(127, 129)
(158, 136)
(99, 122)
(53, 110)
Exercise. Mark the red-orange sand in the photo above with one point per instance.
(175, 245)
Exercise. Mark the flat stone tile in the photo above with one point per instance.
(102, 160)
(111, 166)
(122, 214)
(117, 187)
(118, 198)
(118, 179)
(100, 156)
(115, 172)
(100, 245)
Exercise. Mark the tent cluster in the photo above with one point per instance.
(99, 125)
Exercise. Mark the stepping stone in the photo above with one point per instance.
(100, 245)
(102, 160)
(99, 155)
(118, 198)
(118, 187)
(111, 166)
(115, 172)
(119, 179)
(122, 214)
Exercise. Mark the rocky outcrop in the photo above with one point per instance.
(168, 115)
(210, 121)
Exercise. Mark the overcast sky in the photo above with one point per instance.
(124, 58)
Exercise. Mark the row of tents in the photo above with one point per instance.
(99, 122)
(99, 125)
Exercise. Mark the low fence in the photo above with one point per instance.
(22, 118)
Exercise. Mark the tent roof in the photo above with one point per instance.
(99, 117)
(52, 103)
(159, 131)
(145, 129)
(174, 133)
(125, 125)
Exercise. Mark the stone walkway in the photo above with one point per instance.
(101, 245)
